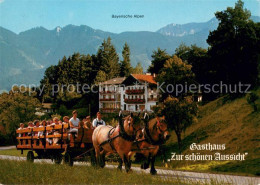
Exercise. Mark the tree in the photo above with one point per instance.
(125, 65)
(175, 74)
(108, 59)
(16, 108)
(158, 61)
(198, 58)
(138, 69)
(179, 114)
(183, 52)
(101, 77)
(234, 46)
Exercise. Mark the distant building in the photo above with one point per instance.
(46, 108)
(137, 92)
(110, 95)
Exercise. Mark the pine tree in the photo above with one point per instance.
(101, 77)
(159, 59)
(138, 69)
(108, 58)
(125, 65)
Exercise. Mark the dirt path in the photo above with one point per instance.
(188, 176)
(6, 147)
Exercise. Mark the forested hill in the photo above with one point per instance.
(25, 56)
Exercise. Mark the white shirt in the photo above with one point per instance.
(75, 122)
(96, 122)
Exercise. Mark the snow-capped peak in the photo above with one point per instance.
(58, 29)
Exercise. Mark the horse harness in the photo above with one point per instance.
(122, 133)
(148, 137)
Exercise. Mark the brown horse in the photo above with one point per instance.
(155, 133)
(107, 140)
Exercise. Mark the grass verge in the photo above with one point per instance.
(13, 152)
(21, 172)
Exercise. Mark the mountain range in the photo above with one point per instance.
(25, 56)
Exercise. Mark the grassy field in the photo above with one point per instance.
(13, 152)
(20, 172)
(223, 121)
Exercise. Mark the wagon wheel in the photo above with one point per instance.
(58, 158)
(68, 159)
(30, 156)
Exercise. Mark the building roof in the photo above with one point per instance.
(144, 78)
(113, 81)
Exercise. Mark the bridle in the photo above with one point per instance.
(134, 128)
(148, 136)
(123, 133)
(159, 128)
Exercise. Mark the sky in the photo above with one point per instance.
(21, 15)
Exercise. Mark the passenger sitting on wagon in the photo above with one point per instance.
(98, 121)
(87, 123)
(36, 125)
(30, 125)
(65, 122)
(74, 122)
(21, 128)
(55, 122)
(48, 122)
(42, 124)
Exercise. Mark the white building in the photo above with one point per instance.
(137, 92)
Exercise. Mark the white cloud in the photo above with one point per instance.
(1, 1)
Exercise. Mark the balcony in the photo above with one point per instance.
(107, 99)
(136, 101)
(108, 92)
(109, 110)
(134, 91)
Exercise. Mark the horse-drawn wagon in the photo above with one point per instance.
(73, 147)
(127, 138)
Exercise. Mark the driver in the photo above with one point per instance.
(98, 121)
